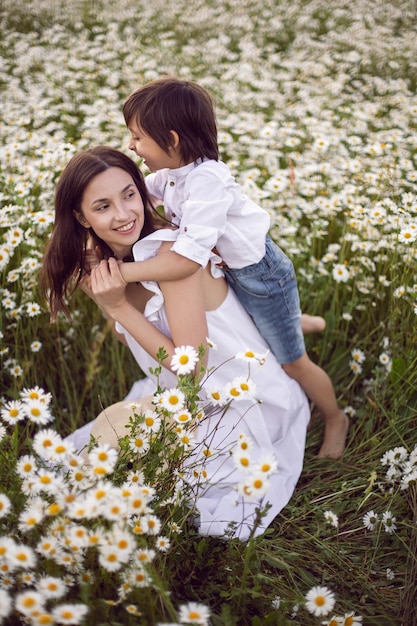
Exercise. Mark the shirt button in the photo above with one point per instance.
(172, 183)
(185, 229)
(174, 214)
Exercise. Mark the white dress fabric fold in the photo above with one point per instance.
(275, 421)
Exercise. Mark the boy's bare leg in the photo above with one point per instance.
(312, 324)
(318, 387)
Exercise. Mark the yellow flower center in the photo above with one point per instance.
(184, 359)
(54, 509)
(320, 600)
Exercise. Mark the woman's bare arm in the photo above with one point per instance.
(183, 302)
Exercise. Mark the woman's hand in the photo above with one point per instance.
(85, 284)
(108, 286)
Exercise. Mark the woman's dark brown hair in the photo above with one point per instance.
(169, 104)
(64, 258)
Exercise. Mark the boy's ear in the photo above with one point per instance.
(175, 139)
(81, 219)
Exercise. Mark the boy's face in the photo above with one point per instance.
(154, 157)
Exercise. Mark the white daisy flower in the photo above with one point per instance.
(182, 417)
(355, 367)
(26, 466)
(45, 441)
(37, 412)
(69, 613)
(254, 487)
(51, 587)
(103, 455)
(23, 556)
(267, 464)
(33, 309)
(370, 520)
(13, 412)
(29, 602)
(5, 505)
(152, 421)
(172, 400)
(388, 520)
(248, 355)
(340, 273)
(151, 524)
(194, 613)
(163, 544)
(36, 393)
(184, 360)
(242, 460)
(245, 385)
(407, 235)
(216, 397)
(358, 355)
(185, 439)
(332, 518)
(139, 443)
(320, 601)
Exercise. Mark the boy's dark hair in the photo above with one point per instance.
(169, 104)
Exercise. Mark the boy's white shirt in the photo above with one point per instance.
(207, 204)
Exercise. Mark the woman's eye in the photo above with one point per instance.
(102, 207)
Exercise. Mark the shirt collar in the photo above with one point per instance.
(179, 172)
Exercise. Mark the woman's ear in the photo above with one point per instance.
(81, 219)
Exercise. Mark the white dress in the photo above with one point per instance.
(277, 425)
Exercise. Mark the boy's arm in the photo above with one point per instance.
(163, 267)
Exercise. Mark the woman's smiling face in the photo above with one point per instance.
(112, 206)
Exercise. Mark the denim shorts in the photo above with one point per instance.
(269, 293)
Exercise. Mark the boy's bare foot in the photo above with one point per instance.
(335, 433)
(312, 324)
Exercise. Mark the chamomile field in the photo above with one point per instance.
(317, 115)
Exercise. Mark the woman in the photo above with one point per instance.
(101, 199)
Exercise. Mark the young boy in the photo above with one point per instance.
(173, 129)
